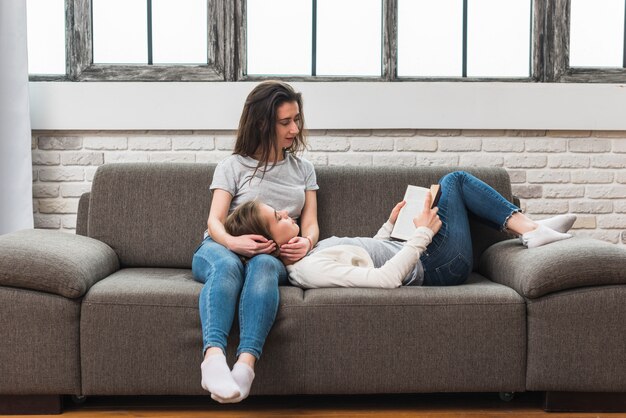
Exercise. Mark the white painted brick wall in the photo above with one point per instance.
(582, 172)
(416, 143)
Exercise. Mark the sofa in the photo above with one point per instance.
(113, 309)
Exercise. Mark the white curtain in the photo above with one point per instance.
(16, 202)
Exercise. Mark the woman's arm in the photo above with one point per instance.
(298, 247)
(246, 245)
(351, 266)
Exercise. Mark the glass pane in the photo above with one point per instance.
(430, 38)
(46, 36)
(279, 37)
(179, 31)
(498, 38)
(349, 37)
(120, 31)
(596, 33)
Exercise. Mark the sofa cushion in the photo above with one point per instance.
(470, 337)
(55, 262)
(566, 264)
(141, 335)
(152, 215)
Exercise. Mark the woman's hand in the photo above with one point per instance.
(295, 249)
(251, 245)
(428, 217)
(393, 217)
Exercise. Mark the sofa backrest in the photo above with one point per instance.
(151, 214)
(356, 201)
(154, 214)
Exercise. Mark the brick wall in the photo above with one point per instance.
(582, 172)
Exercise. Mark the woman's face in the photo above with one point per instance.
(287, 119)
(281, 226)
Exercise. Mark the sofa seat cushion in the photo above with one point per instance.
(141, 335)
(416, 339)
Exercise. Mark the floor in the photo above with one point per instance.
(465, 405)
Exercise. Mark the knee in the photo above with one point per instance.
(264, 268)
(265, 262)
(207, 265)
(454, 177)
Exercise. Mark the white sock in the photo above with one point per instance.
(542, 236)
(216, 377)
(243, 375)
(559, 223)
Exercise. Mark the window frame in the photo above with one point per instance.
(390, 52)
(226, 51)
(79, 51)
(557, 67)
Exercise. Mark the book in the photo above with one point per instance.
(414, 197)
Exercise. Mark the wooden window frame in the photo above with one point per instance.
(227, 53)
(79, 51)
(556, 66)
(390, 52)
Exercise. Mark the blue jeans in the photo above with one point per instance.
(227, 280)
(448, 259)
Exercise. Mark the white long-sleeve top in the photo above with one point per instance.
(352, 266)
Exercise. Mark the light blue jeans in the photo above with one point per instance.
(228, 281)
(448, 259)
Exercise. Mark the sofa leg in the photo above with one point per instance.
(585, 402)
(30, 404)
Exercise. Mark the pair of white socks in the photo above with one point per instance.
(549, 230)
(226, 386)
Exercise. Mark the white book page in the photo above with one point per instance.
(414, 197)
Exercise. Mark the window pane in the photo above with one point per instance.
(120, 31)
(498, 38)
(46, 36)
(179, 31)
(279, 37)
(596, 33)
(430, 38)
(349, 37)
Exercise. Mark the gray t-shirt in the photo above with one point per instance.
(282, 186)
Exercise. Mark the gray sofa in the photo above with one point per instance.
(113, 310)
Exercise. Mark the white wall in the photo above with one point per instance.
(354, 105)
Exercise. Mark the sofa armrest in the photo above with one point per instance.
(574, 262)
(54, 262)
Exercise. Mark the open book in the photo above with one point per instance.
(414, 197)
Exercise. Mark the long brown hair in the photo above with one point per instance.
(257, 126)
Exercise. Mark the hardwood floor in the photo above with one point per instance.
(465, 405)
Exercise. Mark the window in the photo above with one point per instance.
(597, 33)
(149, 32)
(464, 38)
(587, 41)
(143, 40)
(46, 37)
(314, 38)
(383, 40)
